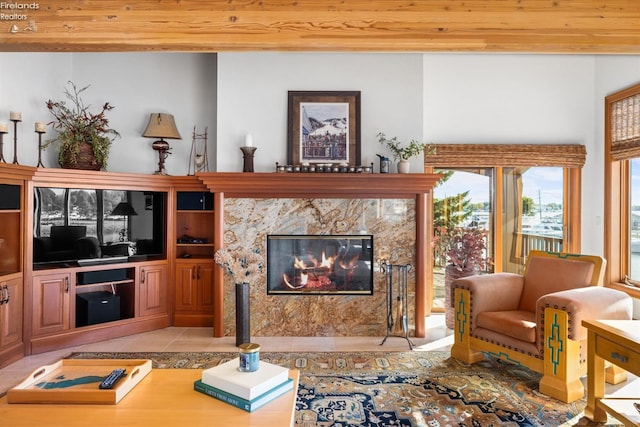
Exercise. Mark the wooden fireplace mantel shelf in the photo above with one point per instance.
(318, 185)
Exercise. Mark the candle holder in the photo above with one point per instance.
(40, 164)
(2, 160)
(247, 156)
(15, 140)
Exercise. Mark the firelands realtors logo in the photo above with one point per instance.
(18, 13)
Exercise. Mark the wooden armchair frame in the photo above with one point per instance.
(561, 359)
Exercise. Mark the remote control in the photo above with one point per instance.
(111, 379)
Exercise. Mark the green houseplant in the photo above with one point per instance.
(403, 152)
(84, 138)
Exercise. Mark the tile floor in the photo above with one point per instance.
(200, 339)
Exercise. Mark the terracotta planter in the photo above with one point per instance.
(86, 160)
(451, 273)
(243, 319)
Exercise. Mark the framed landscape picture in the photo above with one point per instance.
(323, 127)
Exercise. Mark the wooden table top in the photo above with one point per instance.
(617, 330)
(164, 398)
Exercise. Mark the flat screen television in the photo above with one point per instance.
(91, 226)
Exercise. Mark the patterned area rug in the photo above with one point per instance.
(422, 389)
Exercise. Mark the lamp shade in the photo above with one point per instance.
(124, 209)
(161, 125)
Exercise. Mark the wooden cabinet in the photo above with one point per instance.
(152, 290)
(50, 310)
(12, 229)
(194, 224)
(194, 293)
(10, 314)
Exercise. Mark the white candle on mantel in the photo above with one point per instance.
(41, 127)
(248, 140)
(15, 115)
(4, 128)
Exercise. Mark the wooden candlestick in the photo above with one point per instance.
(40, 164)
(15, 121)
(2, 147)
(247, 156)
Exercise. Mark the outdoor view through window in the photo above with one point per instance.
(464, 219)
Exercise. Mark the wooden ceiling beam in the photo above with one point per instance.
(543, 26)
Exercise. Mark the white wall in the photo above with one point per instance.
(252, 98)
(136, 84)
(449, 98)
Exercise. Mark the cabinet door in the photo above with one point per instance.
(152, 298)
(186, 287)
(205, 287)
(11, 313)
(50, 303)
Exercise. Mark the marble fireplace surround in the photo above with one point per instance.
(258, 188)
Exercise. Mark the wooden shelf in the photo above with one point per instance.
(319, 185)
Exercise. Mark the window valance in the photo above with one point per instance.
(506, 155)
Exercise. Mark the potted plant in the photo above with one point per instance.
(465, 250)
(401, 152)
(84, 138)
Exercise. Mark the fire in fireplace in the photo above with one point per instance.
(323, 264)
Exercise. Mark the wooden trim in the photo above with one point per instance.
(616, 198)
(318, 185)
(588, 26)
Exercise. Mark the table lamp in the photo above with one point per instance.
(124, 209)
(161, 126)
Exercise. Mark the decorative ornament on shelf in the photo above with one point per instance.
(402, 153)
(3, 129)
(161, 126)
(245, 267)
(84, 138)
(40, 128)
(248, 151)
(15, 117)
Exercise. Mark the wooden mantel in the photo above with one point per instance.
(319, 185)
(327, 185)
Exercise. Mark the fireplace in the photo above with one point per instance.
(320, 264)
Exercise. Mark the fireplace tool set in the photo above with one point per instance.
(397, 280)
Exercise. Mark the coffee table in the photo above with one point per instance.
(618, 342)
(164, 398)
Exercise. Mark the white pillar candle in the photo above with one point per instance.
(248, 140)
(41, 127)
(4, 128)
(15, 115)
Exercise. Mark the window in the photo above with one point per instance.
(521, 196)
(622, 190)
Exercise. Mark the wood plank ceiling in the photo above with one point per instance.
(545, 26)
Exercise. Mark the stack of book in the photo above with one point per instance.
(245, 390)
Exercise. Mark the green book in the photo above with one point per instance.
(238, 402)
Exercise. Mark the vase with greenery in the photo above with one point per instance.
(84, 138)
(403, 152)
